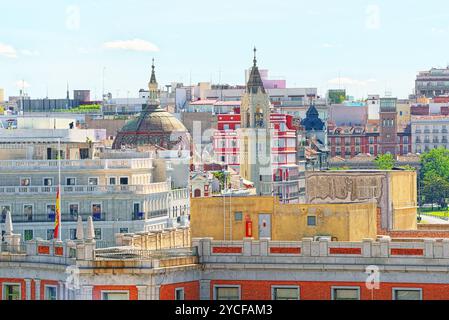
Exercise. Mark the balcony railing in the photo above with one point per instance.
(418, 131)
(139, 189)
(138, 215)
(426, 130)
(51, 217)
(83, 164)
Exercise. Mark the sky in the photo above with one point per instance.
(366, 47)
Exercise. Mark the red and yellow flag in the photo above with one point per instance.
(57, 214)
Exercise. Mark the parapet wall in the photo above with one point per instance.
(431, 250)
(156, 240)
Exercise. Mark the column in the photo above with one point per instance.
(86, 292)
(205, 290)
(142, 293)
(27, 289)
(37, 288)
(61, 291)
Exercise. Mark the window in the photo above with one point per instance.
(345, 293)
(50, 234)
(96, 210)
(238, 216)
(179, 294)
(115, 295)
(28, 234)
(123, 180)
(4, 209)
(73, 209)
(227, 293)
(97, 232)
(311, 220)
(70, 181)
(50, 293)
(25, 182)
(72, 234)
(285, 293)
(28, 212)
(112, 180)
(407, 294)
(11, 292)
(123, 230)
(51, 210)
(48, 181)
(92, 181)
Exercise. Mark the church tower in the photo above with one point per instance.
(153, 88)
(255, 133)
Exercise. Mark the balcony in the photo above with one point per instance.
(81, 164)
(426, 141)
(426, 130)
(50, 217)
(80, 189)
(435, 140)
(417, 140)
(435, 131)
(418, 131)
(443, 130)
(138, 215)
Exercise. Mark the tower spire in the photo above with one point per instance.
(254, 60)
(153, 87)
(153, 74)
(255, 80)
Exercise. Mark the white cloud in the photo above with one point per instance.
(132, 45)
(7, 51)
(438, 30)
(22, 84)
(350, 82)
(27, 52)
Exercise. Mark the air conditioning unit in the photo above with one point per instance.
(318, 238)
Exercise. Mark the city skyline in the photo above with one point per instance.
(89, 38)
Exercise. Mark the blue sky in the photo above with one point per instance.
(363, 46)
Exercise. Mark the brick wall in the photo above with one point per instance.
(191, 290)
(311, 290)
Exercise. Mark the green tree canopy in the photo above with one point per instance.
(385, 161)
(434, 176)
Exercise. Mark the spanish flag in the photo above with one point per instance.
(57, 214)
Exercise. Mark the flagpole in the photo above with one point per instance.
(59, 189)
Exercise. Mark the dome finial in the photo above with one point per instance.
(254, 60)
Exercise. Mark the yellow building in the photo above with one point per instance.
(403, 111)
(229, 218)
(345, 205)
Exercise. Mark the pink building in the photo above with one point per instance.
(283, 151)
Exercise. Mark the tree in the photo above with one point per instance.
(435, 176)
(385, 161)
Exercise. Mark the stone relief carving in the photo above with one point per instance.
(344, 188)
